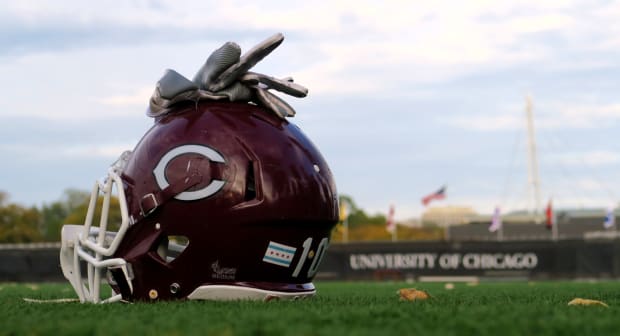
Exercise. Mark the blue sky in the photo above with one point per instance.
(405, 96)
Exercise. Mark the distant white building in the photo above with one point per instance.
(448, 216)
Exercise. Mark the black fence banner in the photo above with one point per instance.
(564, 259)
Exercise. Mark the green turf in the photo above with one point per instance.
(338, 309)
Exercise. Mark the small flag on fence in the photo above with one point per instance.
(549, 216)
(437, 195)
(390, 224)
(496, 223)
(610, 218)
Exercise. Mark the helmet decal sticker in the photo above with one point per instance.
(279, 254)
(203, 150)
(282, 255)
(222, 273)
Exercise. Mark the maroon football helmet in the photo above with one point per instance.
(220, 200)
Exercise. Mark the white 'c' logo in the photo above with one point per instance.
(205, 151)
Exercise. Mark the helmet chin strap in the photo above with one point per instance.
(151, 201)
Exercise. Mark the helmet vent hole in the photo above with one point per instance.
(171, 247)
(250, 183)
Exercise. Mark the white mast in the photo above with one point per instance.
(533, 179)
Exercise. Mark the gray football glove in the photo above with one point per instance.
(225, 76)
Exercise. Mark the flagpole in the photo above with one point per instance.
(390, 223)
(533, 177)
(394, 237)
(344, 217)
(500, 233)
(613, 218)
(554, 227)
(446, 228)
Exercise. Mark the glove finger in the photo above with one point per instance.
(283, 85)
(274, 103)
(173, 83)
(247, 61)
(219, 60)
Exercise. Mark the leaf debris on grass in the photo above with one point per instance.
(412, 294)
(587, 302)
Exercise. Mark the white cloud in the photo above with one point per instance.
(86, 84)
(365, 47)
(589, 184)
(138, 98)
(67, 151)
(111, 151)
(582, 115)
(539, 23)
(547, 115)
(487, 122)
(592, 158)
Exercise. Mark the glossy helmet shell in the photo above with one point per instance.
(275, 190)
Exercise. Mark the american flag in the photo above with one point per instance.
(437, 195)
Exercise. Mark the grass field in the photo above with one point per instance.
(340, 308)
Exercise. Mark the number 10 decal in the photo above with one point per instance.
(318, 256)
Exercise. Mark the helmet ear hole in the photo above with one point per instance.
(250, 183)
(171, 247)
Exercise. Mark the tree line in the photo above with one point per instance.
(366, 227)
(23, 224)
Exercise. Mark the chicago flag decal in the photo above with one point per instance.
(279, 254)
